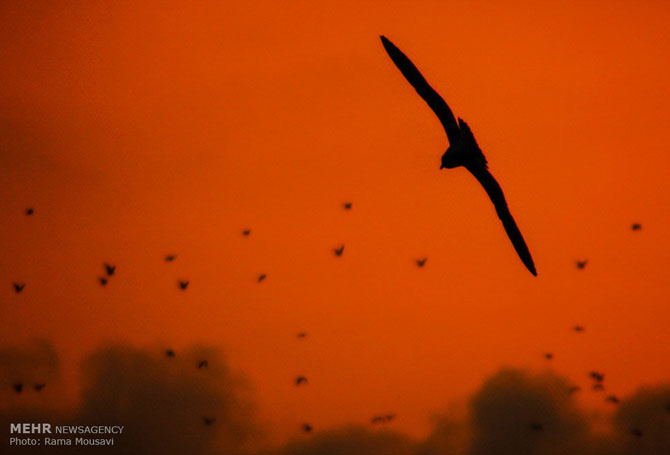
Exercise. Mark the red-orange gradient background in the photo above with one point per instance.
(139, 129)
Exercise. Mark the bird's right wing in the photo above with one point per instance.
(430, 96)
(497, 197)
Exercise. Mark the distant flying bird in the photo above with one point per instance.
(18, 287)
(208, 420)
(102, 280)
(382, 418)
(549, 356)
(421, 262)
(636, 432)
(18, 387)
(169, 353)
(536, 426)
(600, 377)
(170, 257)
(301, 335)
(203, 364)
(30, 211)
(598, 386)
(636, 226)
(578, 328)
(261, 277)
(246, 232)
(39, 387)
(338, 251)
(307, 428)
(110, 269)
(581, 264)
(183, 284)
(463, 149)
(574, 389)
(300, 380)
(612, 399)
(347, 205)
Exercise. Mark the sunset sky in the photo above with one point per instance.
(140, 129)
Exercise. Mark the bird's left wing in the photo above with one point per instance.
(430, 96)
(495, 193)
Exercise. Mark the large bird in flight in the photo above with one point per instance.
(463, 149)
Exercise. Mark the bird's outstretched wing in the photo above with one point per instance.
(430, 96)
(495, 193)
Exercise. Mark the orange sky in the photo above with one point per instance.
(141, 130)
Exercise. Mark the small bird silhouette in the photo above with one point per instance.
(18, 287)
(183, 284)
(421, 262)
(636, 432)
(581, 264)
(300, 380)
(600, 377)
(102, 280)
(169, 353)
(535, 426)
(549, 356)
(110, 269)
(636, 226)
(463, 149)
(18, 387)
(612, 399)
(208, 420)
(246, 232)
(338, 251)
(574, 389)
(578, 328)
(261, 277)
(376, 419)
(307, 428)
(30, 211)
(170, 257)
(598, 387)
(301, 335)
(203, 364)
(39, 387)
(347, 205)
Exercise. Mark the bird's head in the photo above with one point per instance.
(449, 159)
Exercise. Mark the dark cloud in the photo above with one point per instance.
(516, 412)
(170, 406)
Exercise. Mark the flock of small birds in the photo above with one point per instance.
(110, 270)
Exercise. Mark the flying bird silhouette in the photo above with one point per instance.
(598, 387)
(246, 232)
(30, 211)
(549, 356)
(170, 257)
(612, 399)
(183, 284)
(301, 335)
(307, 428)
(110, 269)
(102, 280)
(421, 262)
(578, 328)
(18, 287)
(463, 149)
(636, 226)
(347, 205)
(169, 353)
(39, 387)
(581, 264)
(600, 377)
(261, 277)
(208, 420)
(18, 387)
(338, 251)
(203, 364)
(300, 380)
